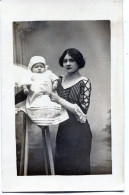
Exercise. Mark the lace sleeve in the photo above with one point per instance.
(85, 92)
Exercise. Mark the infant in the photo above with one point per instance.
(41, 82)
(38, 86)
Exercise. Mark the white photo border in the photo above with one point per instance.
(32, 10)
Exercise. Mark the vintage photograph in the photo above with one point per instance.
(62, 96)
(63, 115)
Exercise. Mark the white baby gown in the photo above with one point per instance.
(38, 105)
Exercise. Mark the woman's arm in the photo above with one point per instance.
(69, 106)
(74, 108)
(85, 93)
(84, 100)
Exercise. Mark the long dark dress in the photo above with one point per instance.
(73, 141)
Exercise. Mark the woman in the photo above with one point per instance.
(73, 141)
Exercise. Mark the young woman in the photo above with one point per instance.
(73, 141)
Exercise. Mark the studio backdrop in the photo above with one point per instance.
(49, 39)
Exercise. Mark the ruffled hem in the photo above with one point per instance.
(44, 116)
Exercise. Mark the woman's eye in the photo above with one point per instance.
(64, 61)
(71, 60)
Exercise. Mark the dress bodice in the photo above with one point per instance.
(79, 93)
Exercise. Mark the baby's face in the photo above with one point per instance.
(38, 68)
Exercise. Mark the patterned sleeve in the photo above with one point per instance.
(84, 101)
(85, 92)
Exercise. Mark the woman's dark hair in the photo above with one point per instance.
(75, 54)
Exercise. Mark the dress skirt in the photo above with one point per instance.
(73, 147)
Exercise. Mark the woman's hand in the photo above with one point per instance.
(55, 97)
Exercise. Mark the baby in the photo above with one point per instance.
(38, 65)
(38, 86)
(41, 81)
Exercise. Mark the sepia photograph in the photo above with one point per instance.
(62, 96)
(77, 56)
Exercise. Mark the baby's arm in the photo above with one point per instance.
(54, 85)
(54, 80)
(25, 89)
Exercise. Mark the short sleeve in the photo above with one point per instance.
(85, 93)
(53, 76)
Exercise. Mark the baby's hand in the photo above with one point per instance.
(54, 85)
(26, 91)
(54, 88)
(17, 110)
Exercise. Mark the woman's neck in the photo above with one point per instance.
(71, 76)
(70, 79)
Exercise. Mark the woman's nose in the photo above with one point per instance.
(68, 62)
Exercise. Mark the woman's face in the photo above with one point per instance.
(38, 68)
(70, 64)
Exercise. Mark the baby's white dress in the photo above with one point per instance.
(38, 105)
